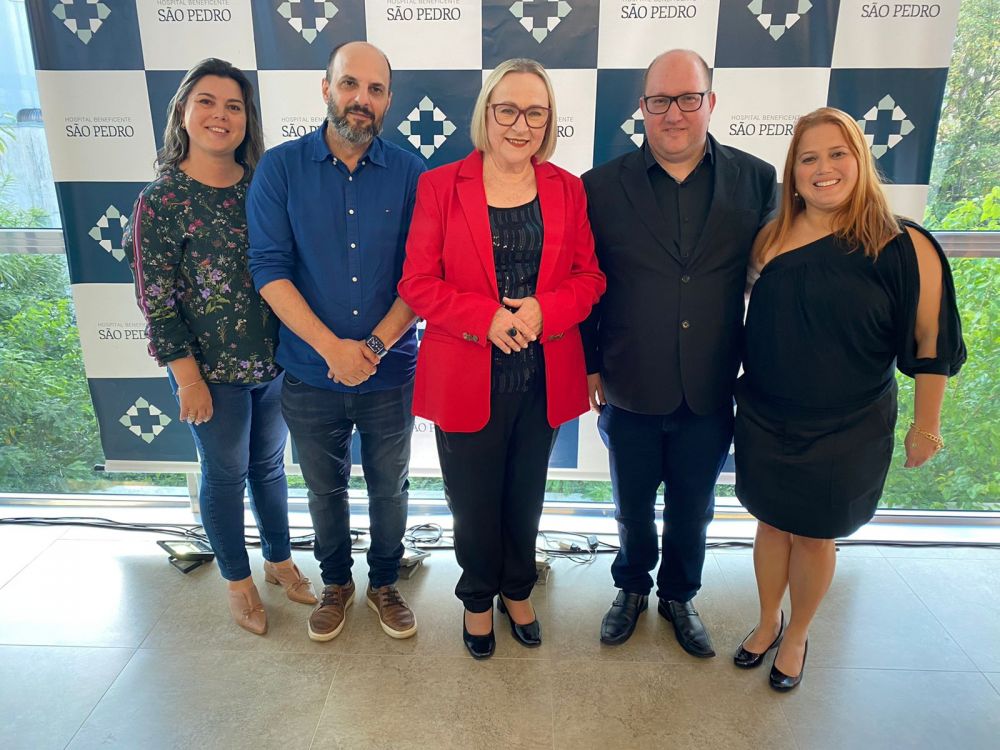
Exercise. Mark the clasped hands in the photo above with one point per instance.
(350, 362)
(512, 331)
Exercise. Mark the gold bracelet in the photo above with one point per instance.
(189, 385)
(936, 439)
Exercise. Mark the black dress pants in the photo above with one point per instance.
(494, 482)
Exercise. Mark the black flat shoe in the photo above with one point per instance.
(781, 681)
(529, 635)
(688, 627)
(748, 659)
(479, 646)
(620, 620)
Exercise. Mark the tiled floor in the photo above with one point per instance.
(104, 645)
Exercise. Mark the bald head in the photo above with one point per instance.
(361, 53)
(676, 58)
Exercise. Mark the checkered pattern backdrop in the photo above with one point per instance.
(107, 68)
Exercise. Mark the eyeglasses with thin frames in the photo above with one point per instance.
(659, 104)
(507, 114)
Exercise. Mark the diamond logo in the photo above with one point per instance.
(770, 21)
(426, 127)
(144, 420)
(307, 17)
(108, 238)
(82, 17)
(885, 125)
(540, 17)
(635, 128)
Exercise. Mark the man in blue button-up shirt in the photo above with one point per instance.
(328, 215)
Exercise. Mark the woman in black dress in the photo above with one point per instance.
(845, 292)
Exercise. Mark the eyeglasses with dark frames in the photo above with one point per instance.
(507, 114)
(659, 104)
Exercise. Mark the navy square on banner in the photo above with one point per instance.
(162, 85)
(557, 33)
(619, 126)
(431, 111)
(139, 420)
(299, 35)
(94, 217)
(85, 35)
(898, 111)
(776, 33)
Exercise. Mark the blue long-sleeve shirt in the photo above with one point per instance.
(340, 238)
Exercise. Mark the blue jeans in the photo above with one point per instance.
(243, 443)
(684, 452)
(322, 423)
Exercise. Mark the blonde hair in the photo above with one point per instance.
(865, 220)
(516, 65)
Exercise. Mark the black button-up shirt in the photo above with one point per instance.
(684, 204)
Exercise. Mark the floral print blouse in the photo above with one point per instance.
(187, 245)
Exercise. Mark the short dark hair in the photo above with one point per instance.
(698, 58)
(335, 50)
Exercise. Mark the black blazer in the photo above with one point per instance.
(668, 329)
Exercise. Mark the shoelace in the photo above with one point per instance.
(390, 597)
(331, 597)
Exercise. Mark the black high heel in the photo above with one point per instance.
(479, 646)
(529, 635)
(748, 659)
(781, 681)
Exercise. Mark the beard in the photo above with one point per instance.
(356, 134)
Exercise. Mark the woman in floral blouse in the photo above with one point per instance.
(187, 242)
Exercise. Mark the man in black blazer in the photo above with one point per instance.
(674, 223)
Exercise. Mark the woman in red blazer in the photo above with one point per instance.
(500, 262)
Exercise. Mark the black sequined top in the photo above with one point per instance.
(517, 252)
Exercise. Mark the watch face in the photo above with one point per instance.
(375, 344)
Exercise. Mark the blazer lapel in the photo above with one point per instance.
(552, 202)
(727, 174)
(640, 193)
(472, 197)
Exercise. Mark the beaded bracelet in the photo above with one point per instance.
(936, 439)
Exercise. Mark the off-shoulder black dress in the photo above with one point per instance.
(816, 405)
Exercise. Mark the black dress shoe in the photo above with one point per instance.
(479, 646)
(620, 621)
(781, 681)
(688, 627)
(529, 635)
(748, 659)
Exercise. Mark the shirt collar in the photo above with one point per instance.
(651, 161)
(320, 151)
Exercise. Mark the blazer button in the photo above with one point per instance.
(475, 338)
(467, 337)
(685, 324)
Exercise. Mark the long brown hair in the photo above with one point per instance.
(865, 220)
(175, 138)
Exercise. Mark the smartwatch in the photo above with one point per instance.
(374, 343)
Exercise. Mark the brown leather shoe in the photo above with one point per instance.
(394, 614)
(297, 587)
(327, 620)
(248, 610)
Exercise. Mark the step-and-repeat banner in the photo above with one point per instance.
(107, 69)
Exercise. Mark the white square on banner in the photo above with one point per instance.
(895, 35)
(176, 34)
(576, 102)
(112, 332)
(97, 125)
(757, 108)
(424, 460)
(633, 32)
(908, 201)
(291, 103)
(444, 35)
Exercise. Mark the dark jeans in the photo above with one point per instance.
(322, 423)
(494, 481)
(243, 443)
(685, 452)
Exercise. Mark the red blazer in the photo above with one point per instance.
(449, 279)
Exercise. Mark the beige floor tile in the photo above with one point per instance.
(437, 702)
(21, 545)
(607, 705)
(46, 692)
(965, 596)
(78, 593)
(865, 708)
(218, 700)
(869, 619)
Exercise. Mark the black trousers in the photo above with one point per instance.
(494, 482)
